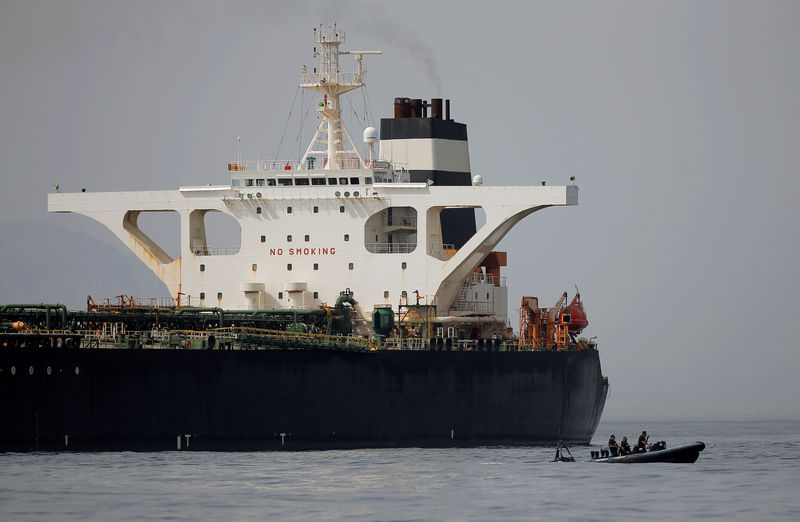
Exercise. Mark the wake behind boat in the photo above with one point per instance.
(686, 453)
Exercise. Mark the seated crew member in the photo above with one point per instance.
(624, 447)
(642, 444)
(613, 447)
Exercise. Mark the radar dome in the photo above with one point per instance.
(477, 180)
(370, 135)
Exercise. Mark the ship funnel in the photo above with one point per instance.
(436, 108)
(434, 151)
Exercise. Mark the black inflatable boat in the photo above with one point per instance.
(658, 453)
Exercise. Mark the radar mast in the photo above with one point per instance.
(331, 83)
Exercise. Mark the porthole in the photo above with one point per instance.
(258, 209)
(316, 266)
(347, 237)
(347, 194)
(403, 265)
(77, 370)
(30, 370)
(316, 295)
(341, 209)
(288, 210)
(350, 266)
(308, 238)
(263, 239)
(13, 370)
(338, 194)
(219, 295)
(49, 371)
(289, 266)
(316, 210)
(202, 295)
(255, 267)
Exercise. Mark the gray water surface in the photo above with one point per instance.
(749, 471)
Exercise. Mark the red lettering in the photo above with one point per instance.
(324, 251)
(333, 251)
(280, 251)
(305, 251)
(272, 251)
(313, 251)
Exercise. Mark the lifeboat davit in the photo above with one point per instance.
(577, 315)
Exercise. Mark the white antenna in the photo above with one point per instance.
(238, 154)
(332, 83)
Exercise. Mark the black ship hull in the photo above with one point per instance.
(159, 399)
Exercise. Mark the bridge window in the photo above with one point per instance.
(342, 181)
(301, 181)
(354, 181)
(317, 181)
(332, 181)
(271, 183)
(285, 182)
(248, 183)
(260, 182)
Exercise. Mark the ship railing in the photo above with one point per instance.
(484, 279)
(390, 248)
(299, 339)
(340, 78)
(482, 307)
(289, 167)
(443, 249)
(122, 301)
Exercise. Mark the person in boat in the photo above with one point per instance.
(624, 447)
(613, 447)
(642, 444)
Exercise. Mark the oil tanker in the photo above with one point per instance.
(359, 305)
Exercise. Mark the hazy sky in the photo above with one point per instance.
(680, 120)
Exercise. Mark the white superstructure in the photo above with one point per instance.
(332, 221)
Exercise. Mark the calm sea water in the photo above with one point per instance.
(749, 471)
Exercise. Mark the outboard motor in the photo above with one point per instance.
(657, 446)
